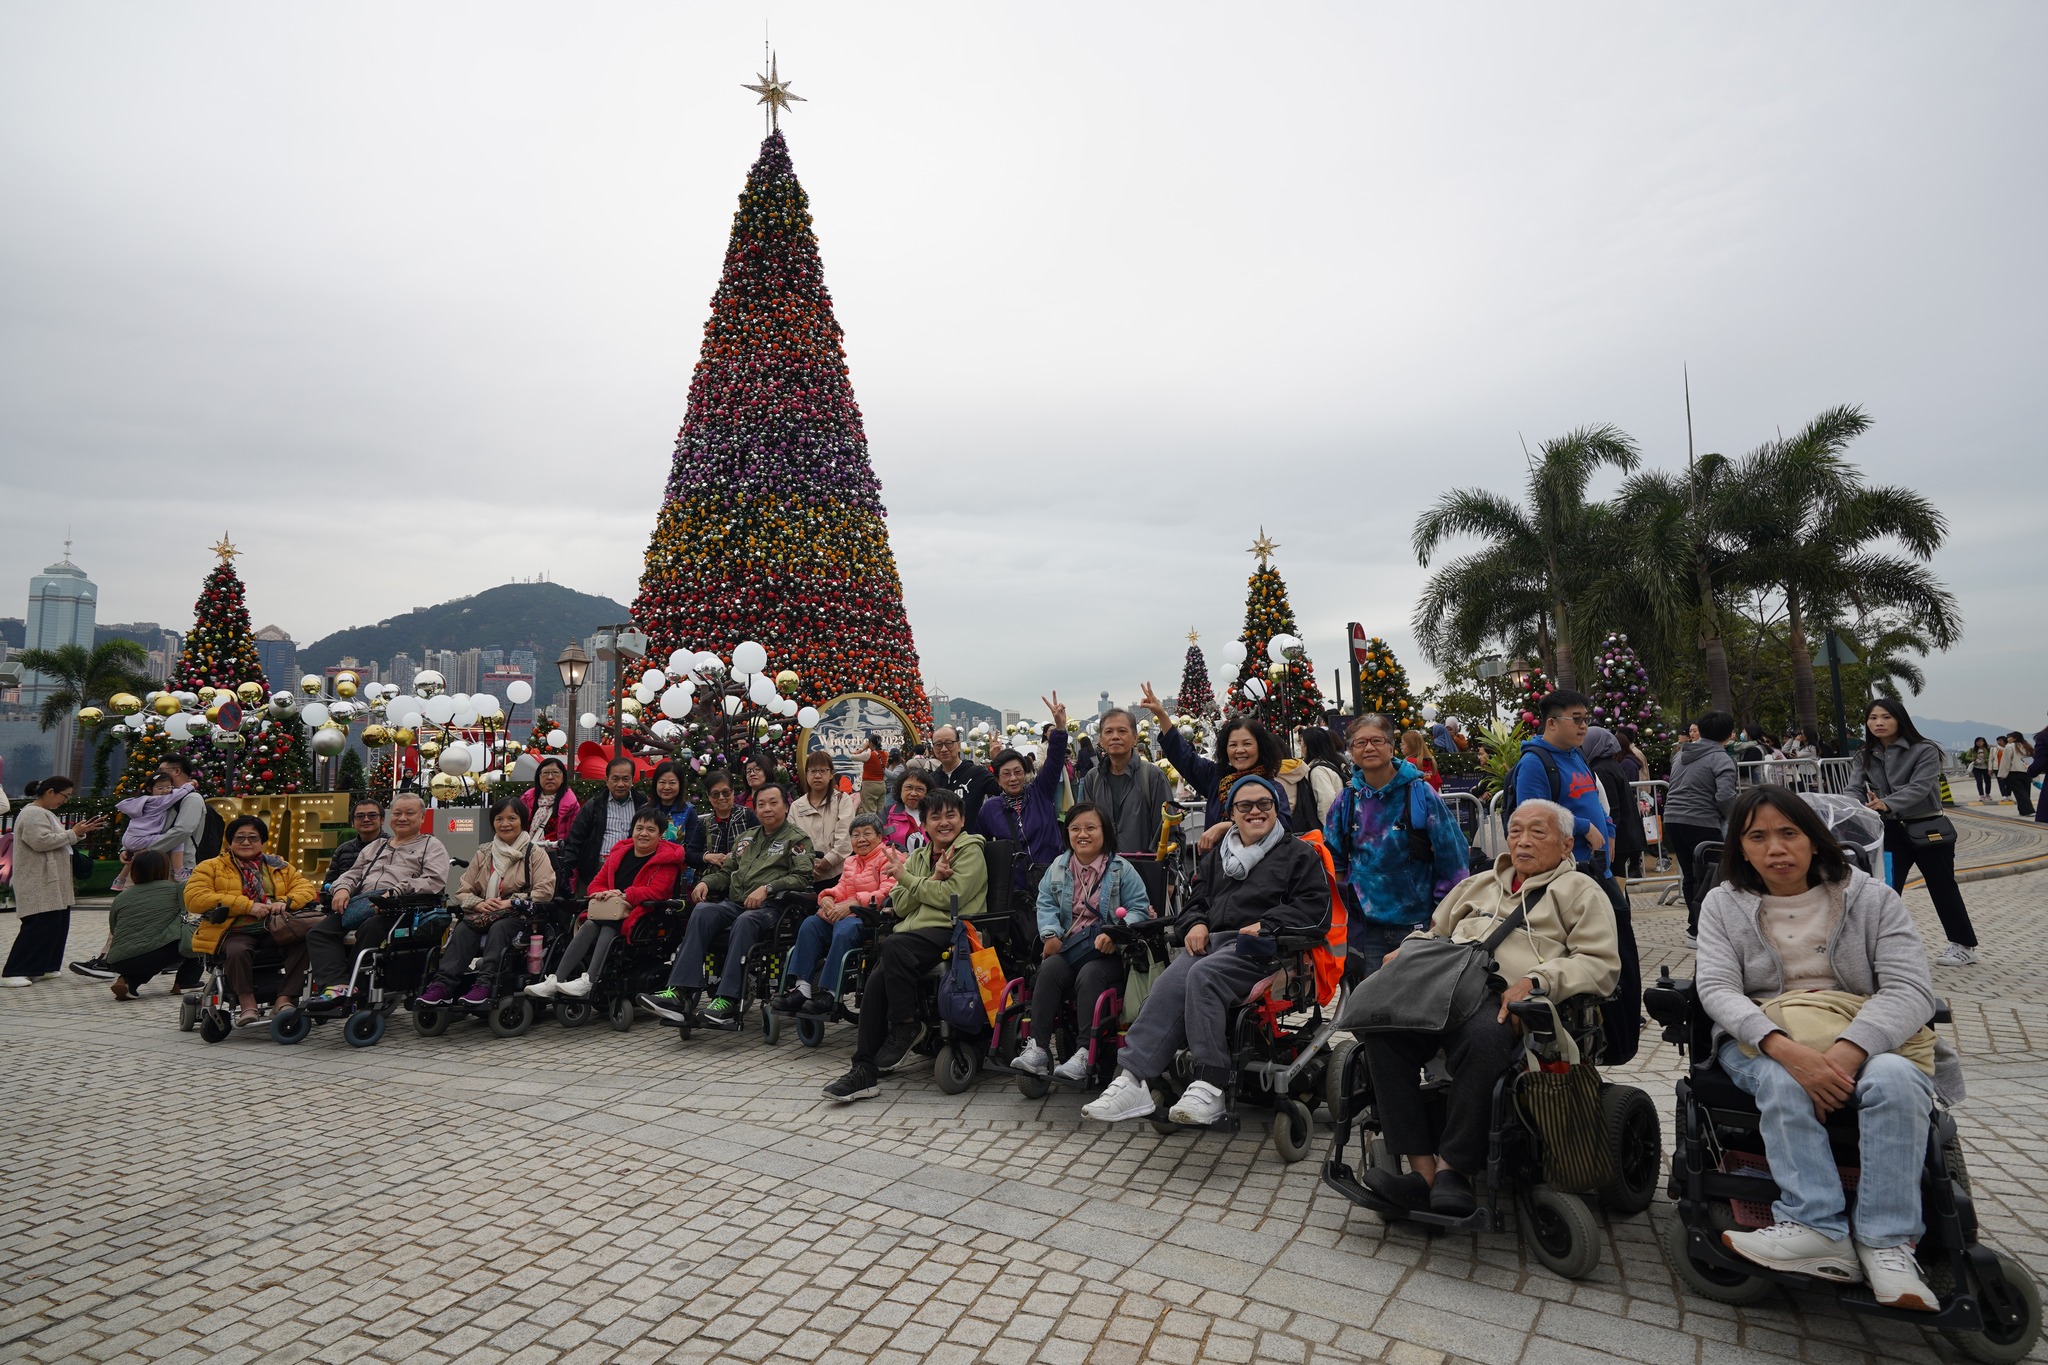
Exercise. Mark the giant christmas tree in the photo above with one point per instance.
(1197, 696)
(772, 525)
(1283, 704)
(221, 650)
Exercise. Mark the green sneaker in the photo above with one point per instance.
(721, 1013)
(667, 1004)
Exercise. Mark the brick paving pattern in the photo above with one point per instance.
(586, 1196)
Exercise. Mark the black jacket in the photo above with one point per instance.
(582, 850)
(974, 783)
(1288, 890)
(1629, 839)
(719, 836)
(345, 855)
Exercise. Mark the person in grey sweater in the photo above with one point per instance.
(1897, 773)
(1793, 921)
(1129, 788)
(1697, 802)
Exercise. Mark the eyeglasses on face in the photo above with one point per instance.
(1263, 806)
(1372, 742)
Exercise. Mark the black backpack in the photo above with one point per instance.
(1304, 816)
(1550, 770)
(212, 834)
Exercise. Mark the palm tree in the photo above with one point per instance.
(85, 677)
(1812, 525)
(1684, 532)
(1542, 551)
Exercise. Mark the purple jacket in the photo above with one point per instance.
(1038, 829)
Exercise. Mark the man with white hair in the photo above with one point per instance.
(1562, 944)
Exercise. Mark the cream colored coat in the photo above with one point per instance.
(42, 862)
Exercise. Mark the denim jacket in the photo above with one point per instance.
(1121, 886)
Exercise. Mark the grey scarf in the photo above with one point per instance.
(1239, 860)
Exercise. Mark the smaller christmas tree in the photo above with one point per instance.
(1621, 693)
(1292, 700)
(221, 650)
(1197, 697)
(1383, 686)
(1535, 687)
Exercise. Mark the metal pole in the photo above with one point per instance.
(1835, 684)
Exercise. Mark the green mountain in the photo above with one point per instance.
(541, 617)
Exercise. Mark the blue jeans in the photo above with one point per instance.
(815, 940)
(1893, 1101)
(1370, 942)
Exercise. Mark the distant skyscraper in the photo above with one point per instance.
(278, 653)
(62, 605)
(499, 680)
(403, 670)
(524, 660)
(489, 659)
(468, 671)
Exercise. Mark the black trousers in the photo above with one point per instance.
(894, 985)
(1683, 840)
(1938, 866)
(331, 959)
(137, 970)
(1477, 1051)
(39, 948)
(1058, 982)
(463, 944)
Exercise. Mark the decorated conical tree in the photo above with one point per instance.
(1197, 696)
(1621, 693)
(1292, 701)
(772, 525)
(1383, 686)
(1535, 687)
(221, 649)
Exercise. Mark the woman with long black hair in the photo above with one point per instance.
(1244, 748)
(1896, 772)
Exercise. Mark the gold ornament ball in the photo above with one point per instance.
(345, 685)
(125, 703)
(310, 684)
(165, 705)
(213, 711)
(249, 693)
(404, 736)
(786, 682)
(429, 749)
(375, 736)
(207, 694)
(513, 748)
(631, 706)
(1276, 671)
(90, 716)
(445, 786)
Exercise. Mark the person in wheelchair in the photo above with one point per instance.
(510, 868)
(236, 895)
(771, 861)
(408, 862)
(1818, 986)
(1257, 883)
(1080, 896)
(1566, 946)
(817, 964)
(645, 867)
(945, 877)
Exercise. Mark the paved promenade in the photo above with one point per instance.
(588, 1196)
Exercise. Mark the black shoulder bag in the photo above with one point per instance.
(1432, 982)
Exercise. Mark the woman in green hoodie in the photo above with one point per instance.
(145, 924)
(945, 878)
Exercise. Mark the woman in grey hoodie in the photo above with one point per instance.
(1697, 802)
(1897, 773)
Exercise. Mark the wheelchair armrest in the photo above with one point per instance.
(1670, 1001)
(1298, 943)
(1942, 1013)
(661, 905)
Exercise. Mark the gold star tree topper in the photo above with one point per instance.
(1263, 547)
(774, 92)
(1194, 637)
(225, 550)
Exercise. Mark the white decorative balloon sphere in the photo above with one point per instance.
(732, 706)
(440, 709)
(1255, 689)
(1233, 652)
(314, 714)
(179, 727)
(524, 768)
(519, 693)
(675, 702)
(808, 717)
(652, 678)
(588, 720)
(455, 759)
(556, 739)
(749, 657)
(464, 717)
(679, 662)
(1429, 711)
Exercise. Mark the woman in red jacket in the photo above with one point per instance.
(643, 868)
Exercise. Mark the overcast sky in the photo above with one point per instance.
(406, 296)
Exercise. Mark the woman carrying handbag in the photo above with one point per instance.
(1897, 773)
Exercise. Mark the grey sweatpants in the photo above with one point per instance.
(1186, 1009)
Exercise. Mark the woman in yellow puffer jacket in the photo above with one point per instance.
(236, 895)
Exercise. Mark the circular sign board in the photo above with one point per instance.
(229, 717)
(843, 727)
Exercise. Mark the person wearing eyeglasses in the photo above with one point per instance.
(1397, 845)
(973, 783)
(1257, 883)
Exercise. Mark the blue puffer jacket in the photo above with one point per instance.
(1121, 886)
(1368, 838)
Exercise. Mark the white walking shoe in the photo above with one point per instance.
(1956, 955)
(1074, 1070)
(1895, 1279)
(1201, 1104)
(577, 989)
(16, 981)
(1797, 1249)
(1126, 1098)
(544, 990)
(1034, 1060)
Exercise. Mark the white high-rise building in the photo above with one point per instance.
(62, 607)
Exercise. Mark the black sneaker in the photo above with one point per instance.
(94, 967)
(819, 1006)
(721, 1013)
(1451, 1194)
(791, 1001)
(1405, 1190)
(902, 1037)
(859, 1083)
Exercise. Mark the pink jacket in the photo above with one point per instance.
(899, 827)
(865, 881)
(565, 814)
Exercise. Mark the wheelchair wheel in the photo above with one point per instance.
(289, 1026)
(1033, 1087)
(1711, 1282)
(365, 1028)
(573, 1013)
(1337, 1078)
(214, 1025)
(431, 1021)
(1562, 1232)
(1294, 1129)
(620, 1015)
(955, 1066)
(810, 1031)
(1636, 1138)
(188, 1013)
(771, 1025)
(510, 1018)
(1997, 1342)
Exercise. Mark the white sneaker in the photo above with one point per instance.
(15, 981)
(1956, 955)
(1201, 1104)
(1797, 1249)
(1692, 942)
(1034, 1060)
(544, 990)
(1073, 1070)
(1126, 1098)
(1895, 1278)
(577, 989)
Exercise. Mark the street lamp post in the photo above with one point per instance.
(574, 666)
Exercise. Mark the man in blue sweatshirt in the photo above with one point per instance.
(1552, 769)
